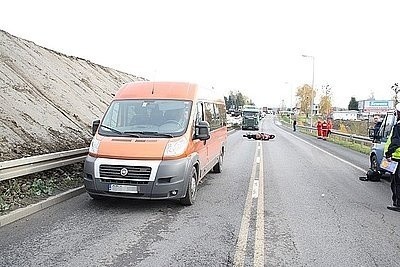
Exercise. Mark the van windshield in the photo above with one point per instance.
(146, 118)
(387, 125)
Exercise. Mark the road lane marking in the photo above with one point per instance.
(241, 246)
(255, 189)
(326, 152)
(259, 239)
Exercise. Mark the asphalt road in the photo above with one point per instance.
(291, 201)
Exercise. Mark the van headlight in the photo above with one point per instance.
(176, 148)
(94, 146)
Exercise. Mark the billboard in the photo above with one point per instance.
(375, 105)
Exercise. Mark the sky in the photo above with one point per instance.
(254, 47)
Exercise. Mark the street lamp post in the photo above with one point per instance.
(312, 90)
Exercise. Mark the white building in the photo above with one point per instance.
(346, 115)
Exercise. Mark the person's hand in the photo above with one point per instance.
(389, 159)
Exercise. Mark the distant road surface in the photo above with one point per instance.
(291, 201)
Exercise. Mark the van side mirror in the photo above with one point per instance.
(95, 126)
(373, 134)
(202, 131)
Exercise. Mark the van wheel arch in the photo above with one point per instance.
(218, 166)
(191, 189)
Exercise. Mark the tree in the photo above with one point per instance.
(396, 89)
(237, 99)
(232, 100)
(325, 104)
(353, 104)
(241, 99)
(304, 94)
(227, 105)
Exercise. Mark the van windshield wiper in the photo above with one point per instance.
(152, 133)
(111, 129)
(119, 132)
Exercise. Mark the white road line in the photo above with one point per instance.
(255, 189)
(259, 239)
(326, 152)
(240, 251)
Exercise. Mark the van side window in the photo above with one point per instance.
(215, 115)
(218, 118)
(386, 128)
(199, 113)
(222, 112)
(209, 112)
(216, 111)
(112, 120)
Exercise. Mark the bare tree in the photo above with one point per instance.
(396, 89)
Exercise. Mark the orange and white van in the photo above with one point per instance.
(157, 140)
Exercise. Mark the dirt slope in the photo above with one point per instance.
(48, 100)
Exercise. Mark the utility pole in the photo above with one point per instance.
(312, 89)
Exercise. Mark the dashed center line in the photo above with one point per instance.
(255, 191)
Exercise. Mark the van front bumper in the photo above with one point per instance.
(168, 179)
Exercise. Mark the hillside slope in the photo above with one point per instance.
(48, 100)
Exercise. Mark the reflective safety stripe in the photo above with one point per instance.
(396, 153)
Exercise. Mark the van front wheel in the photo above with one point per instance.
(191, 190)
(218, 167)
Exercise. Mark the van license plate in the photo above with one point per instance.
(123, 188)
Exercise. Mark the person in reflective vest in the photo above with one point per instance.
(319, 129)
(329, 126)
(392, 152)
(324, 130)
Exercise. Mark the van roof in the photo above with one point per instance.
(157, 90)
(166, 90)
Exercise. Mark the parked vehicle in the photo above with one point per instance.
(379, 137)
(250, 117)
(157, 140)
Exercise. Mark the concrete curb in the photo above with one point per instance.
(31, 209)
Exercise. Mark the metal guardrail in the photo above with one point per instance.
(24, 166)
(349, 136)
(353, 136)
(19, 167)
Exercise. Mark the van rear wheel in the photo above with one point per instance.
(191, 190)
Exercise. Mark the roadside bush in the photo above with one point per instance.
(29, 189)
